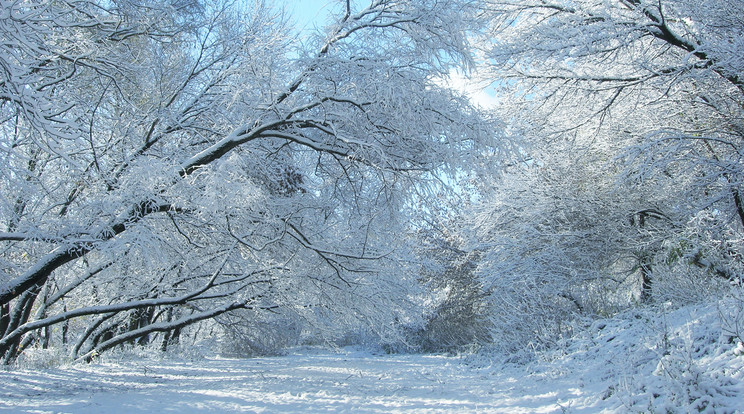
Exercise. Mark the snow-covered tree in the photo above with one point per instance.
(458, 317)
(168, 163)
(660, 82)
(558, 239)
(630, 171)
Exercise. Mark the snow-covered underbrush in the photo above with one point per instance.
(658, 359)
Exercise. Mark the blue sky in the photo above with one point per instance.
(308, 13)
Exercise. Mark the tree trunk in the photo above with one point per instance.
(644, 262)
(19, 316)
(4, 318)
(646, 282)
(161, 327)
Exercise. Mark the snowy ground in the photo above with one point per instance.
(352, 382)
(678, 363)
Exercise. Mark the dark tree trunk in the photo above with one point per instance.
(644, 264)
(4, 318)
(161, 327)
(18, 317)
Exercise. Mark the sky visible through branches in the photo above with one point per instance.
(308, 14)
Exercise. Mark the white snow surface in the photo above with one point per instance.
(681, 361)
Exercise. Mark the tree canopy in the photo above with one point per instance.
(178, 164)
(168, 163)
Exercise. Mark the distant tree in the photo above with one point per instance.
(168, 163)
(459, 319)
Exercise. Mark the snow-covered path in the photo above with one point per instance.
(310, 382)
(678, 361)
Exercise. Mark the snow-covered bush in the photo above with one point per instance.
(683, 284)
(40, 359)
(731, 313)
(252, 335)
(687, 364)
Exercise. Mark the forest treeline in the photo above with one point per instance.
(179, 171)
